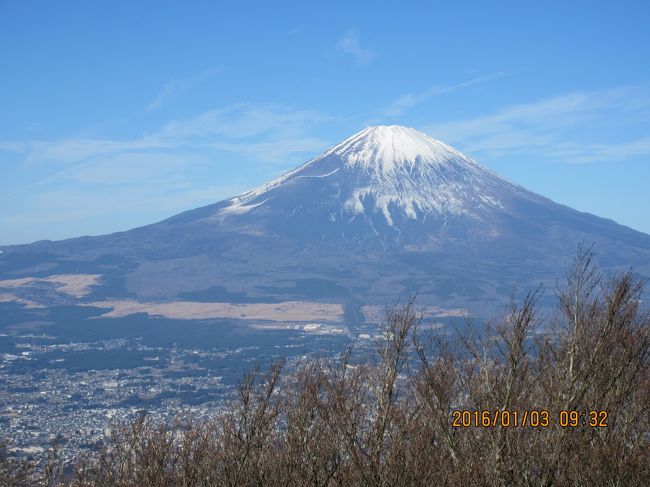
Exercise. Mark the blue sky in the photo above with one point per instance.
(118, 114)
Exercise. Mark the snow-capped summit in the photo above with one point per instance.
(394, 172)
(387, 148)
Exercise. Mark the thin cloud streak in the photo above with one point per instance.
(175, 86)
(410, 100)
(296, 30)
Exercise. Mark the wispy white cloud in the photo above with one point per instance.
(119, 168)
(267, 133)
(351, 44)
(241, 125)
(73, 150)
(296, 30)
(410, 100)
(12, 146)
(606, 152)
(576, 127)
(243, 120)
(174, 86)
(140, 168)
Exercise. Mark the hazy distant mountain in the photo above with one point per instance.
(387, 212)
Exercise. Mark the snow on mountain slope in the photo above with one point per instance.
(388, 170)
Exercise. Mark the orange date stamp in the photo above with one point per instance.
(533, 418)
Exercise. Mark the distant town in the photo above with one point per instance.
(48, 395)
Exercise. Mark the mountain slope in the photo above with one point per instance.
(384, 213)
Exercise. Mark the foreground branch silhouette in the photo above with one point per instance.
(388, 422)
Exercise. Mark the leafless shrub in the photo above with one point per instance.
(13, 473)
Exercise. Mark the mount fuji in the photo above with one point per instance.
(385, 213)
